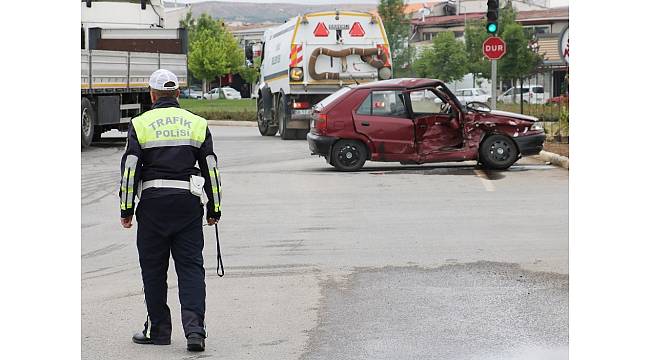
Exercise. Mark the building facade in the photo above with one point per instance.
(545, 24)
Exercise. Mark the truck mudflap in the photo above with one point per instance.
(267, 101)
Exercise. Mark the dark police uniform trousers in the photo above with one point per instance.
(163, 145)
(172, 223)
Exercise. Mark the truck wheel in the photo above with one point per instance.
(283, 117)
(263, 126)
(498, 152)
(87, 123)
(348, 155)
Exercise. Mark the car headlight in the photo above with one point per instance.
(536, 127)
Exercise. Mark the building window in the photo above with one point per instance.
(535, 30)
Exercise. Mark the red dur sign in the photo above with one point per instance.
(494, 48)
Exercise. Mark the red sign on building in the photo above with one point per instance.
(494, 48)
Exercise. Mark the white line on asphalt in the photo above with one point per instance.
(487, 183)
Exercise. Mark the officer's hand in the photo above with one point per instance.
(127, 221)
(212, 221)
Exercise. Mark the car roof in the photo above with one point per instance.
(409, 83)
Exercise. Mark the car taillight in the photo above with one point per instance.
(321, 122)
(301, 105)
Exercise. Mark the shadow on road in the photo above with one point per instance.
(470, 170)
(107, 143)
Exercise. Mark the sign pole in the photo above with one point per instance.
(493, 104)
(494, 48)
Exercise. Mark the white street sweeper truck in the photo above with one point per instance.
(310, 57)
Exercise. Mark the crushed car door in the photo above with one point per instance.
(437, 127)
(384, 119)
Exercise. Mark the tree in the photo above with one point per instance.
(213, 51)
(445, 60)
(397, 27)
(251, 74)
(475, 35)
(519, 61)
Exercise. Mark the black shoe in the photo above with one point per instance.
(140, 338)
(195, 342)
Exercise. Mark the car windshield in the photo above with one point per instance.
(328, 100)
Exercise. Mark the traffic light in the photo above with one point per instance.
(492, 17)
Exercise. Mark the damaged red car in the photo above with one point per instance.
(417, 121)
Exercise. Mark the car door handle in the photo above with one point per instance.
(422, 126)
(365, 123)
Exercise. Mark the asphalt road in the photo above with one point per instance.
(439, 261)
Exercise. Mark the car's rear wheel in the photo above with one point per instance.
(348, 155)
(264, 127)
(498, 152)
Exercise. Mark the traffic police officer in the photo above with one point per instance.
(163, 146)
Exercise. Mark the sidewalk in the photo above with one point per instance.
(556, 154)
(232, 123)
(557, 148)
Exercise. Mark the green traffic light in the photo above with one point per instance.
(492, 28)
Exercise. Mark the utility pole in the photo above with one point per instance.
(492, 28)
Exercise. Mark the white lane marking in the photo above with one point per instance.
(487, 183)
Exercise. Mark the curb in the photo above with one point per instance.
(232, 123)
(554, 159)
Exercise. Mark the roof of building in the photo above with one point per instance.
(448, 20)
(561, 13)
(412, 8)
(250, 28)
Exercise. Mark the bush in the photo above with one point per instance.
(228, 115)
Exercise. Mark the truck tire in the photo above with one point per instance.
(283, 118)
(498, 152)
(87, 123)
(263, 126)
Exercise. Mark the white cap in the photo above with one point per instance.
(162, 79)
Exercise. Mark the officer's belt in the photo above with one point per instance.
(163, 183)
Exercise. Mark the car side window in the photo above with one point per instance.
(365, 108)
(426, 102)
(538, 90)
(384, 103)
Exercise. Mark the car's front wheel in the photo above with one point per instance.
(498, 152)
(348, 155)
